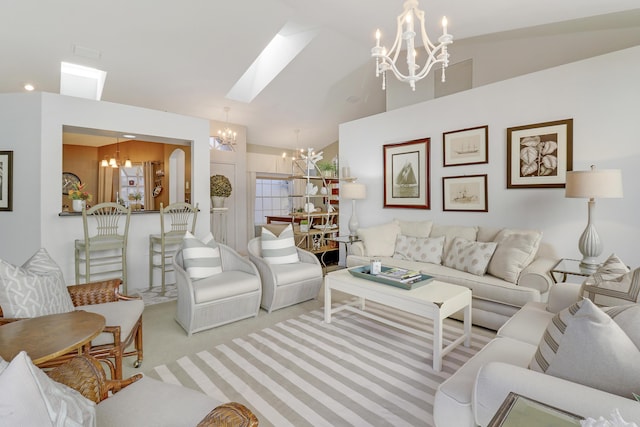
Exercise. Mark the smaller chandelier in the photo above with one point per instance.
(226, 136)
(386, 61)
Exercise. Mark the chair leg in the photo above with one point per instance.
(77, 253)
(87, 271)
(163, 266)
(150, 263)
(124, 272)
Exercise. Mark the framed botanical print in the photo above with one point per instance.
(465, 193)
(466, 146)
(539, 155)
(406, 174)
(6, 180)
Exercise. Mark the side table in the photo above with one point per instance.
(517, 410)
(569, 267)
(346, 240)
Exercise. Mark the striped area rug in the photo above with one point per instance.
(352, 372)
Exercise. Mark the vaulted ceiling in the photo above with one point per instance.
(185, 56)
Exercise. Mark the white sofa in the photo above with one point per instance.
(474, 393)
(495, 299)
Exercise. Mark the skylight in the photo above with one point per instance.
(281, 50)
(81, 81)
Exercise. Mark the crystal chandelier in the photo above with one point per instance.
(226, 136)
(386, 61)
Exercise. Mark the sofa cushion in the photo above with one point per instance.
(119, 313)
(224, 285)
(30, 398)
(159, 401)
(35, 289)
(528, 324)
(450, 232)
(613, 282)
(201, 258)
(469, 256)
(422, 249)
(584, 345)
(516, 249)
(379, 240)
(279, 249)
(414, 228)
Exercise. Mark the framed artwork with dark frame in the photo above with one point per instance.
(466, 146)
(406, 174)
(539, 155)
(466, 193)
(6, 180)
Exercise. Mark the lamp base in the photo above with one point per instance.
(590, 263)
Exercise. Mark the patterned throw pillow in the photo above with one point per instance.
(584, 345)
(421, 249)
(30, 398)
(201, 257)
(613, 280)
(279, 249)
(628, 318)
(35, 289)
(472, 257)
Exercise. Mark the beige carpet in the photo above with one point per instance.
(291, 368)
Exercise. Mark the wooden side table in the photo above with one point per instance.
(45, 338)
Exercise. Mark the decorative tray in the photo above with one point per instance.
(364, 272)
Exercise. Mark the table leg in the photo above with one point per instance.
(327, 302)
(437, 343)
(467, 325)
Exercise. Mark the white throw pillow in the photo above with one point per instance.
(279, 249)
(628, 318)
(450, 232)
(584, 345)
(35, 289)
(421, 249)
(614, 282)
(414, 228)
(472, 257)
(516, 249)
(28, 397)
(379, 240)
(201, 257)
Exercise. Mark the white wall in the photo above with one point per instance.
(32, 128)
(600, 94)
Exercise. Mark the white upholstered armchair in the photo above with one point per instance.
(286, 284)
(231, 295)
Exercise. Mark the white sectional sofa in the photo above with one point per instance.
(517, 272)
(472, 395)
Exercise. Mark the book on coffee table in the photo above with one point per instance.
(400, 274)
(364, 272)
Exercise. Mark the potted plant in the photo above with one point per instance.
(220, 189)
(79, 196)
(327, 168)
(304, 225)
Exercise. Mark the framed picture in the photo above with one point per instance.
(406, 174)
(539, 155)
(6, 180)
(465, 193)
(466, 146)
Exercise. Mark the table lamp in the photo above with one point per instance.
(592, 184)
(354, 191)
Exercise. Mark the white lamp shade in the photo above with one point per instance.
(594, 183)
(353, 191)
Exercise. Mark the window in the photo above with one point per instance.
(272, 198)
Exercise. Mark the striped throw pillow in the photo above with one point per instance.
(613, 280)
(279, 249)
(201, 257)
(584, 345)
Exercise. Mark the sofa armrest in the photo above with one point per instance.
(563, 295)
(496, 379)
(536, 275)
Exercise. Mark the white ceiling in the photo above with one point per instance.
(185, 56)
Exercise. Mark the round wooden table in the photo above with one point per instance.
(46, 337)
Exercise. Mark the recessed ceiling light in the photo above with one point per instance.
(128, 136)
(29, 87)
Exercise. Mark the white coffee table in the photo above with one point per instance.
(436, 301)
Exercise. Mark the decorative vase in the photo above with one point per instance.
(217, 201)
(77, 205)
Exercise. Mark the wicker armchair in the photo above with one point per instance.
(111, 345)
(127, 402)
